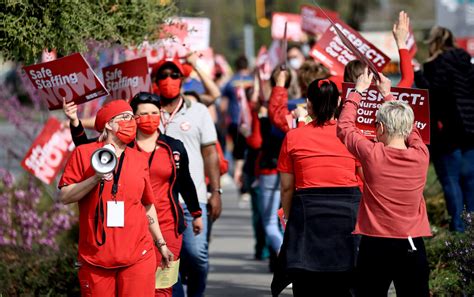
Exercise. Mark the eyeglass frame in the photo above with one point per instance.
(122, 115)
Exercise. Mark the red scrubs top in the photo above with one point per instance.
(126, 245)
(160, 174)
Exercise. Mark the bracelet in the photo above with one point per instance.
(159, 244)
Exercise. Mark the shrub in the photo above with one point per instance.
(28, 219)
(461, 254)
(38, 272)
(37, 247)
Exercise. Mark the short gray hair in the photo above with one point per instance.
(397, 118)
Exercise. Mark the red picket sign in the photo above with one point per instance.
(49, 151)
(125, 80)
(293, 21)
(69, 77)
(314, 21)
(333, 53)
(418, 99)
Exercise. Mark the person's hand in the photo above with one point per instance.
(166, 256)
(401, 29)
(238, 176)
(300, 113)
(197, 226)
(364, 80)
(281, 78)
(416, 65)
(263, 112)
(104, 176)
(192, 58)
(214, 205)
(384, 85)
(70, 110)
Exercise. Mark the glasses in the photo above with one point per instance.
(123, 117)
(173, 75)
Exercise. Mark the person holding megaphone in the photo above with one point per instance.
(169, 171)
(117, 218)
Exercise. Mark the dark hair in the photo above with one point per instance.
(324, 99)
(275, 73)
(144, 97)
(241, 63)
(292, 46)
(194, 94)
(353, 70)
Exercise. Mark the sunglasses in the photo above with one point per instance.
(144, 96)
(173, 75)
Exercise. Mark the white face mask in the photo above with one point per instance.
(295, 63)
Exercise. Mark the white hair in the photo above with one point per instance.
(397, 118)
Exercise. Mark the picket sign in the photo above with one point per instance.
(125, 80)
(371, 100)
(49, 152)
(70, 77)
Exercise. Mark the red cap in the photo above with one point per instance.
(110, 110)
(173, 61)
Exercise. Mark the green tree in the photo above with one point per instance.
(67, 25)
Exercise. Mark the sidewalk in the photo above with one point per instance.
(233, 270)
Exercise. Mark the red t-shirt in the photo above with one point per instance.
(126, 245)
(160, 174)
(317, 157)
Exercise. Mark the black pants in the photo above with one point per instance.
(383, 260)
(321, 284)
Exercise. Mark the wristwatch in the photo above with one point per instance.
(219, 190)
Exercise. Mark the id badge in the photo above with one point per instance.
(115, 214)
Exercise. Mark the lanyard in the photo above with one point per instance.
(99, 209)
(175, 111)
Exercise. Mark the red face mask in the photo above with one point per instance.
(127, 131)
(154, 89)
(169, 88)
(149, 123)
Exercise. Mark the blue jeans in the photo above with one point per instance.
(455, 172)
(269, 204)
(194, 263)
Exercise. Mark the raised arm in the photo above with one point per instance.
(414, 140)
(401, 29)
(278, 104)
(75, 125)
(347, 131)
(212, 90)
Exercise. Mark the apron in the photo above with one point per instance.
(318, 235)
